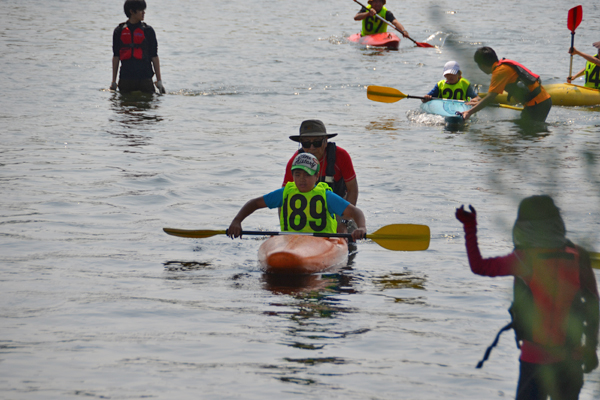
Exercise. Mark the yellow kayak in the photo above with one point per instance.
(563, 94)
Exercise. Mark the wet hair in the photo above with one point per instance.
(135, 5)
(485, 56)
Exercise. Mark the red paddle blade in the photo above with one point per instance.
(423, 44)
(574, 18)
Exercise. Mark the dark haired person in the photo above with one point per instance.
(555, 309)
(136, 49)
(518, 81)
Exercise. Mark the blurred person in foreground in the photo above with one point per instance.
(555, 307)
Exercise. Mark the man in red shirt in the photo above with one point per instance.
(518, 81)
(336, 167)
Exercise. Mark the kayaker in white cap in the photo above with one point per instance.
(306, 204)
(592, 67)
(453, 87)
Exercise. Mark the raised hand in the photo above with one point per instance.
(467, 218)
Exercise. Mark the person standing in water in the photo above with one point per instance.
(135, 48)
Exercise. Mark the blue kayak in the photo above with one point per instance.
(447, 109)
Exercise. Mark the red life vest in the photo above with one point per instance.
(528, 77)
(520, 89)
(547, 300)
(550, 308)
(131, 47)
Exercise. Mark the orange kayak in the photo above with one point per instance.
(385, 39)
(301, 254)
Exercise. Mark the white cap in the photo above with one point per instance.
(307, 162)
(451, 67)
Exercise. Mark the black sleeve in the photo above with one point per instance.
(116, 41)
(362, 10)
(389, 17)
(152, 43)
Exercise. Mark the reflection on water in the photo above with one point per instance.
(402, 280)
(136, 109)
(184, 266)
(383, 124)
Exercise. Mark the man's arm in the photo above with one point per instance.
(235, 228)
(355, 213)
(589, 58)
(156, 65)
(115, 70)
(352, 191)
(577, 75)
(159, 84)
(487, 100)
(364, 13)
(399, 26)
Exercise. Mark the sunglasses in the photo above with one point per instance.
(315, 143)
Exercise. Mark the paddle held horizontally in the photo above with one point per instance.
(385, 94)
(397, 237)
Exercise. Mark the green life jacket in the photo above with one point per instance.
(371, 25)
(458, 91)
(592, 75)
(306, 212)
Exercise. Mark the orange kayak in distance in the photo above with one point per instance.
(302, 254)
(385, 39)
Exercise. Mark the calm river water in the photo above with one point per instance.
(97, 302)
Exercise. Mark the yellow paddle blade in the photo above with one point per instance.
(196, 234)
(595, 257)
(384, 94)
(402, 237)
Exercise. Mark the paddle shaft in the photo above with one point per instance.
(328, 235)
(571, 63)
(318, 234)
(394, 26)
(573, 21)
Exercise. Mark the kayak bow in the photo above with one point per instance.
(385, 39)
(300, 254)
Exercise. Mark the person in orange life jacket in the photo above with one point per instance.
(336, 168)
(591, 69)
(517, 80)
(371, 24)
(555, 310)
(305, 171)
(454, 86)
(136, 49)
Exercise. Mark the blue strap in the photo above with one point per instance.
(489, 349)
